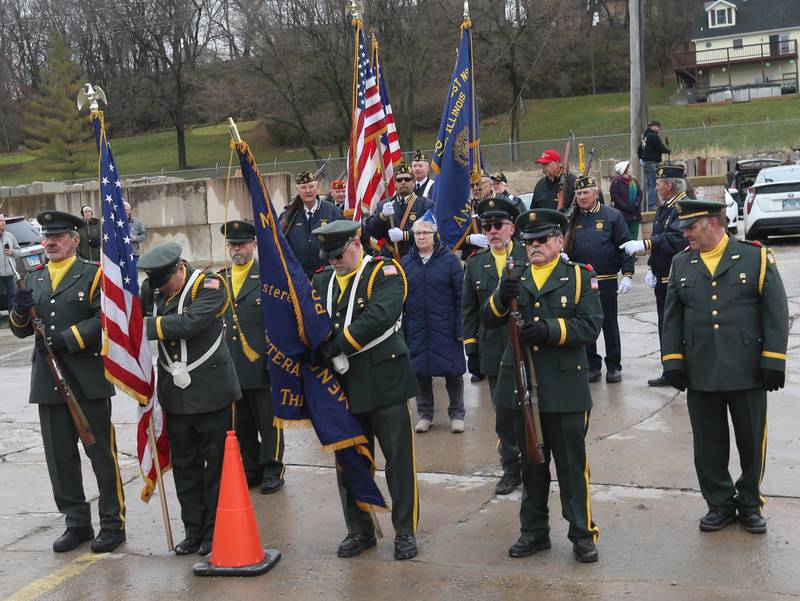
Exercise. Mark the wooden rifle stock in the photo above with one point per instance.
(522, 388)
(573, 212)
(562, 183)
(76, 413)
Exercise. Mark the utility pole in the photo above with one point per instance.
(637, 83)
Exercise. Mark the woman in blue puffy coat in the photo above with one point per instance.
(432, 322)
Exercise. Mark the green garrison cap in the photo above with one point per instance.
(58, 222)
(538, 223)
(670, 171)
(586, 181)
(238, 231)
(335, 236)
(497, 208)
(692, 209)
(160, 263)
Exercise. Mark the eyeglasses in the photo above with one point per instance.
(339, 256)
(423, 233)
(488, 226)
(542, 240)
(475, 185)
(402, 179)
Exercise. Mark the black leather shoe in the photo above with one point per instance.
(613, 376)
(253, 480)
(528, 545)
(585, 551)
(73, 537)
(594, 375)
(405, 546)
(753, 522)
(716, 520)
(355, 543)
(507, 484)
(205, 547)
(187, 546)
(107, 540)
(271, 485)
(473, 378)
(659, 381)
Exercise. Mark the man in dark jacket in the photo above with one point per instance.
(89, 247)
(650, 150)
(500, 189)
(545, 192)
(432, 322)
(599, 232)
(304, 214)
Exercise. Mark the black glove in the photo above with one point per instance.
(474, 364)
(676, 378)
(23, 301)
(534, 332)
(772, 379)
(325, 353)
(509, 289)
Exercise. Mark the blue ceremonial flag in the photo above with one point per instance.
(296, 322)
(457, 151)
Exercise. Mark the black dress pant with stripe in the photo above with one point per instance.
(260, 442)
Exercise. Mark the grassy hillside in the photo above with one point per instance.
(549, 118)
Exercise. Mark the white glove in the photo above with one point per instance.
(650, 279)
(478, 240)
(565, 256)
(633, 246)
(625, 286)
(395, 234)
(387, 209)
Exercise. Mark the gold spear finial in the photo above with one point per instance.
(466, 10)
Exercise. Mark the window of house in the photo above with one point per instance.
(721, 17)
(785, 44)
(738, 43)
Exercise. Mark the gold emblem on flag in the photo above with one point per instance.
(461, 147)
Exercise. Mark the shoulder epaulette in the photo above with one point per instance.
(224, 269)
(481, 250)
(377, 258)
(586, 266)
(88, 262)
(40, 267)
(752, 242)
(322, 268)
(686, 250)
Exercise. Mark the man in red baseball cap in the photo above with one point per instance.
(545, 193)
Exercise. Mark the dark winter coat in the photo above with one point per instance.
(620, 199)
(651, 147)
(89, 244)
(432, 316)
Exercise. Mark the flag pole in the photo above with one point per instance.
(162, 497)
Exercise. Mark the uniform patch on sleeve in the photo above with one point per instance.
(212, 283)
(389, 270)
(594, 283)
(771, 258)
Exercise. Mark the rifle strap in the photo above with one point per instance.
(411, 202)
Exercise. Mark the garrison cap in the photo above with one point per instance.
(335, 236)
(304, 177)
(160, 263)
(338, 184)
(403, 168)
(58, 222)
(421, 156)
(497, 208)
(538, 223)
(499, 177)
(238, 231)
(586, 181)
(692, 209)
(670, 171)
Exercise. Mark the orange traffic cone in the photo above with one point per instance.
(236, 549)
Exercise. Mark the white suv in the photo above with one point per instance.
(772, 206)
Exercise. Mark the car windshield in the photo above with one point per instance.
(23, 232)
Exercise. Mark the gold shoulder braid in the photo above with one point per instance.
(578, 284)
(95, 281)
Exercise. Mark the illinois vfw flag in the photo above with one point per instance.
(126, 353)
(296, 323)
(457, 151)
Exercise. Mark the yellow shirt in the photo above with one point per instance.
(344, 280)
(59, 270)
(239, 275)
(540, 273)
(500, 259)
(711, 258)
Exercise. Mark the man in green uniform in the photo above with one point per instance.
(726, 329)
(197, 382)
(364, 297)
(262, 460)
(66, 296)
(485, 347)
(560, 305)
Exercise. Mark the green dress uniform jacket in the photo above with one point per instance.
(73, 311)
(480, 281)
(382, 375)
(723, 328)
(214, 384)
(570, 306)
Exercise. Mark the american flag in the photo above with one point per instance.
(389, 142)
(126, 353)
(364, 177)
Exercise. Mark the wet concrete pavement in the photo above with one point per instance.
(644, 499)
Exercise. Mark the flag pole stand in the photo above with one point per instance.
(375, 523)
(151, 438)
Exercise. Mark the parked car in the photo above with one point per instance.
(743, 175)
(732, 213)
(30, 246)
(772, 206)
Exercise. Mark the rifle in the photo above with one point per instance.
(296, 203)
(573, 213)
(669, 150)
(562, 183)
(522, 367)
(76, 413)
